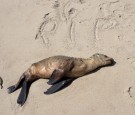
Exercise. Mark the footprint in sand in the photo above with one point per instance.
(131, 93)
(132, 61)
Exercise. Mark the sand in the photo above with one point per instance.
(32, 30)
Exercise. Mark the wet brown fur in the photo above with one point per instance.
(71, 67)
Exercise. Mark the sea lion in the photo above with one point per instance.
(1, 82)
(55, 69)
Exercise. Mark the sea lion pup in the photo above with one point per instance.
(55, 69)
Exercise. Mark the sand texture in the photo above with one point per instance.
(31, 30)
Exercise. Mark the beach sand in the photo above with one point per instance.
(32, 30)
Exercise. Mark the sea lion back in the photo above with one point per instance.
(45, 68)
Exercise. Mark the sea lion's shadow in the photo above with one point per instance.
(72, 79)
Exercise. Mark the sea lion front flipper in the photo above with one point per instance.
(56, 76)
(58, 86)
(23, 94)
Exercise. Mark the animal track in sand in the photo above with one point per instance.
(131, 92)
(132, 61)
(130, 95)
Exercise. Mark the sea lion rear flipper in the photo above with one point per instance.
(23, 94)
(13, 88)
(58, 86)
(56, 76)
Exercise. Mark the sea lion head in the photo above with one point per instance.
(103, 59)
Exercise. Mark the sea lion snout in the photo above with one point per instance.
(110, 61)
